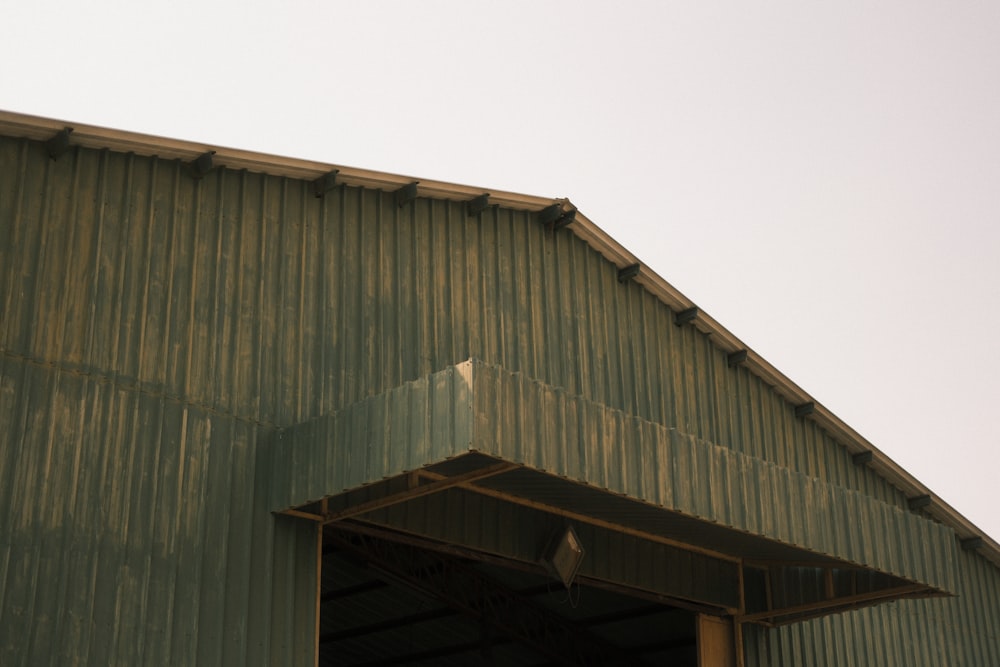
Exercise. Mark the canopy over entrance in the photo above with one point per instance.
(490, 465)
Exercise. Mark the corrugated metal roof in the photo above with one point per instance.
(19, 125)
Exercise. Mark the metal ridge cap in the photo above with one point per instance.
(39, 128)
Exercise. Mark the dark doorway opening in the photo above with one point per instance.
(388, 599)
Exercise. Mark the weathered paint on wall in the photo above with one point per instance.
(135, 530)
(158, 331)
(245, 293)
(135, 527)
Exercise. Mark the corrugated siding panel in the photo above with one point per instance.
(134, 531)
(416, 424)
(246, 294)
(514, 421)
(243, 297)
(140, 335)
(959, 631)
(552, 307)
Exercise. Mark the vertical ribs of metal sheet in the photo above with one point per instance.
(134, 533)
(513, 419)
(245, 293)
(579, 328)
(962, 630)
(906, 632)
(406, 428)
(130, 357)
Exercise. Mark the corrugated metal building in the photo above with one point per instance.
(258, 410)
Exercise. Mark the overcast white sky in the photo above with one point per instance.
(824, 180)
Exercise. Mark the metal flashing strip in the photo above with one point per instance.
(60, 136)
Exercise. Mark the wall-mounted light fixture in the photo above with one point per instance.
(563, 555)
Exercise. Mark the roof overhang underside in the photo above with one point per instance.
(487, 447)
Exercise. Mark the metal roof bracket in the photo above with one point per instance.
(201, 165)
(406, 194)
(325, 183)
(736, 358)
(861, 458)
(628, 273)
(477, 205)
(563, 220)
(972, 543)
(685, 316)
(58, 144)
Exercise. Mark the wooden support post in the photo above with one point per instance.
(716, 642)
(319, 588)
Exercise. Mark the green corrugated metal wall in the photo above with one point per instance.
(578, 439)
(133, 531)
(958, 631)
(299, 306)
(243, 304)
(473, 406)
(136, 399)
